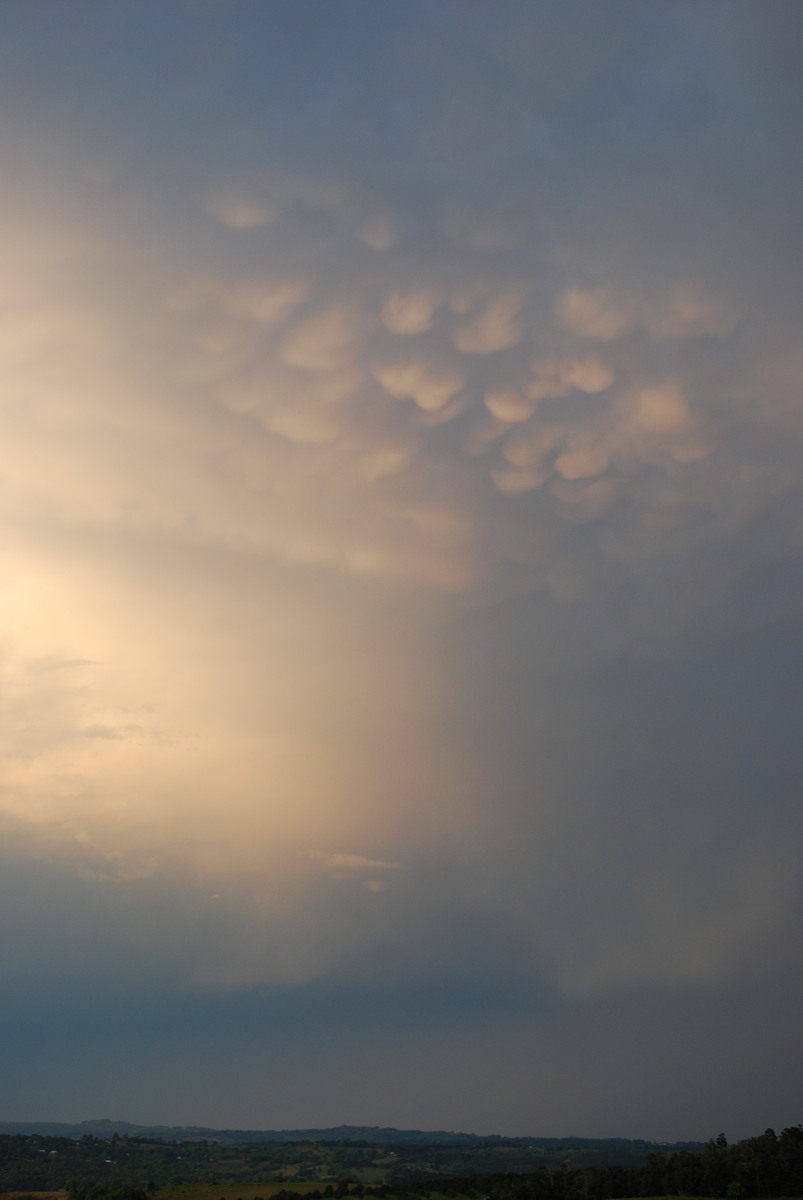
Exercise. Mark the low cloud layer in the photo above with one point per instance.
(400, 491)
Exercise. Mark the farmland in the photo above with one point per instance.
(139, 1168)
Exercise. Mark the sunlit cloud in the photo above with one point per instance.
(409, 313)
(399, 519)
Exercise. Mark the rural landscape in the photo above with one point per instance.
(390, 1164)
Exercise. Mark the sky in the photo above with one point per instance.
(401, 497)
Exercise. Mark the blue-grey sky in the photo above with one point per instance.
(402, 550)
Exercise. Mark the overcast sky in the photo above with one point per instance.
(401, 521)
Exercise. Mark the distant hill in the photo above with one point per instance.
(338, 1133)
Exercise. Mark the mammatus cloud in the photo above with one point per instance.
(283, 422)
(399, 496)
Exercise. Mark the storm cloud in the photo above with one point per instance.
(400, 493)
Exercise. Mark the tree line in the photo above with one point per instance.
(753, 1169)
(756, 1168)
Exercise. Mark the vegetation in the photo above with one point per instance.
(36, 1161)
(91, 1168)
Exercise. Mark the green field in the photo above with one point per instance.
(266, 1191)
(233, 1191)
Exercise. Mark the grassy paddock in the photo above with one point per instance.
(12, 1192)
(266, 1191)
(256, 1191)
(238, 1190)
